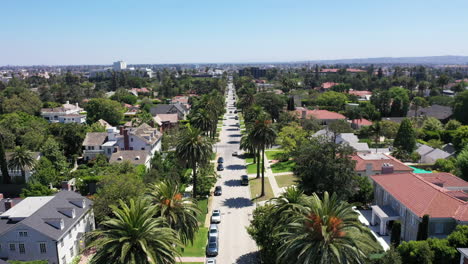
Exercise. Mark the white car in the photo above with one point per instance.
(216, 216)
(213, 231)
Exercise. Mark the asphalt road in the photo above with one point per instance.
(235, 245)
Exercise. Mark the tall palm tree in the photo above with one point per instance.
(201, 119)
(194, 149)
(247, 144)
(292, 199)
(264, 137)
(180, 212)
(20, 159)
(329, 232)
(134, 236)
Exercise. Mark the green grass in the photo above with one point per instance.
(190, 263)
(218, 129)
(213, 156)
(251, 167)
(199, 244)
(283, 166)
(256, 189)
(203, 205)
(285, 180)
(272, 154)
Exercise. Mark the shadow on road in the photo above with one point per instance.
(238, 202)
(235, 167)
(232, 183)
(249, 258)
(233, 142)
(232, 129)
(235, 135)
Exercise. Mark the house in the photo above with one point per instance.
(407, 197)
(345, 138)
(359, 123)
(48, 228)
(67, 113)
(135, 157)
(362, 95)
(325, 117)
(463, 255)
(178, 109)
(429, 155)
(104, 123)
(166, 121)
(15, 174)
(143, 137)
(368, 164)
(327, 86)
(440, 112)
(140, 91)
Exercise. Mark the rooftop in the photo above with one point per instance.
(378, 160)
(26, 207)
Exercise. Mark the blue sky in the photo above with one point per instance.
(183, 31)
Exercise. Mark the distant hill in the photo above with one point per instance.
(435, 60)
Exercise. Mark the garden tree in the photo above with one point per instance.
(418, 102)
(106, 109)
(423, 86)
(341, 88)
(444, 165)
(291, 136)
(133, 235)
(391, 256)
(339, 126)
(369, 111)
(45, 173)
(400, 101)
(405, 139)
(35, 189)
(70, 136)
(461, 163)
(112, 188)
(423, 228)
(310, 125)
(6, 179)
(202, 120)
(389, 128)
(460, 138)
(395, 236)
(444, 253)
(124, 96)
(52, 152)
(168, 167)
(327, 232)
(205, 112)
(26, 101)
(441, 100)
(381, 99)
(291, 105)
(23, 129)
(432, 124)
(332, 100)
(460, 107)
(207, 178)
(333, 168)
(435, 143)
(179, 212)
(415, 252)
(272, 103)
(143, 118)
(452, 124)
(194, 149)
(21, 159)
(252, 113)
(95, 127)
(364, 191)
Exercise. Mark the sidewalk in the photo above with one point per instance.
(277, 191)
(191, 259)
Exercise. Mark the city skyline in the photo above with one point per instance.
(157, 32)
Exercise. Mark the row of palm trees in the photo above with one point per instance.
(20, 159)
(146, 231)
(205, 112)
(310, 229)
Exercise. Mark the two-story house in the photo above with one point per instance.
(177, 108)
(48, 228)
(15, 174)
(368, 164)
(407, 197)
(67, 113)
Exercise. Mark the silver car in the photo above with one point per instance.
(212, 247)
(211, 261)
(213, 232)
(216, 216)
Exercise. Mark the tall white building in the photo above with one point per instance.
(120, 65)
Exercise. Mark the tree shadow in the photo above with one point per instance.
(238, 202)
(235, 167)
(233, 142)
(232, 129)
(235, 135)
(232, 183)
(249, 258)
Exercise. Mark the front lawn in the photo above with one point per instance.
(273, 154)
(256, 189)
(283, 166)
(251, 167)
(197, 249)
(203, 205)
(286, 180)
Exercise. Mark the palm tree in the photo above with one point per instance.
(194, 149)
(201, 120)
(180, 212)
(291, 201)
(6, 179)
(247, 144)
(134, 236)
(20, 159)
(329, 232)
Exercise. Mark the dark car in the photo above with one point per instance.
(212, 247)
(218, 191)
(235, 111)
(236, 118)
(220, 160)
(220, 167)
(244, 180)
(235, 153)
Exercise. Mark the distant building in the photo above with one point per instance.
(359, 123)
(255, 72)
(119, 65)
(325, 117)
(67, 113)
(335, 71)
(362, 95)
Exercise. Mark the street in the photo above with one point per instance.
(235, 245)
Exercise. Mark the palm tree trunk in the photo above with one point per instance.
(194, 180)
(254, 156)
(263, 172)
(258, 163)
(23, 176)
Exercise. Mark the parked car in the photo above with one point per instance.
(235, 111)
(244, 180)
(212, 249)
(235, 153)
(218, 191)
(236, 118)
(220, 160)
(220, 167)
(230, 112)
(216, 216)
(213, 231)
(211, 261)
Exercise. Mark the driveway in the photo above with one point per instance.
(235, 245)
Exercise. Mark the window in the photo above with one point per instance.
(143, 148)
(23, 233)
(439, 228)
(43, 247)
(22, 250)
(131, 139)
(12, 247)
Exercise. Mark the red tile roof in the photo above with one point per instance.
(377, 161)
(422, 197)
(444, 179)
(319, 114)
(360, 93)
(362, 122)
(336, 70)
(328, 85)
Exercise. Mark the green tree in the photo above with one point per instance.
(6, 179)
(395, 237)
(26, 101)
(272, 103)
(460, 138)
(332, 99)
(405, 138)
(452, 124)
(418, 102)
(134, 236)
(444, 165)
(194, 149)
(461, 163)
(460, 107)
(291, 136)
(400, 101)
(416, 252)
(21, 159)
(45, 173)
(432, 124)
(52, 151)
(180, 212)
(423, 228)
(106, 109)
(35, 189)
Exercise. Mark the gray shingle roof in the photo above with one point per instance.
(438, 111)
(129, 155)
(94, 138)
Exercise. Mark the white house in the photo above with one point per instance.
(46, 227)
(67, 113)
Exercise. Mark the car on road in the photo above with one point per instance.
(213, 231)
(235, 111)
(244, 180)
(230, 112)
(211, 261)
(218, 191)
(235, 153)
(236, 118)
(212, 249)
(216, 216)
(220, 167)
(220, 160)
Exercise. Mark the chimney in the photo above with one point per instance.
(387, 168)
(66, 186)
(67, 102)
(369, 169)
(121, 130)
(9, 204)
(126, 140)
(304, 114)
(76, 104)
(111, 134)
